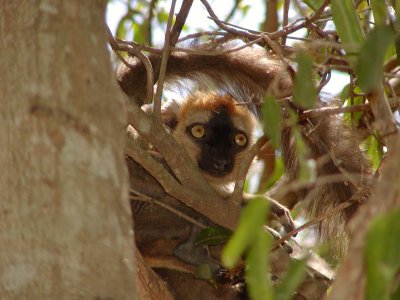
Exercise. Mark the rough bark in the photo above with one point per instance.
(65, 221)
(150, 286)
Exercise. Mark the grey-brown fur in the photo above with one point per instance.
(236, 73)
(248, 76)
(330, 139)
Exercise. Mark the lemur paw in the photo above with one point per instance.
(282, 214)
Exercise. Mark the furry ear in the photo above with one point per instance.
(169, 113)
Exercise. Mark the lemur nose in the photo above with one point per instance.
(222, 164)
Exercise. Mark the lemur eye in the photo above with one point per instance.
(198, 131)
(240, 139)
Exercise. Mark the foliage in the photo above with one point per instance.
(382, 257)
(213, 236)
(304, 93)
(272, 120)
(251, 222)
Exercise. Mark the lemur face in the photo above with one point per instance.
(219, 142)
(215, 132)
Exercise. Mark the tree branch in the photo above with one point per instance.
(204, 200)
(163, 67)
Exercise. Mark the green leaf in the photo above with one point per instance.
(203, 271)
(257, 278)
(370, 61)
(252, 218)
(382, 255)
(272, 120)
(391, 51)
(138, 35)
(396, 294)
(347, 25)
(356, 100)
(379, 10)
(397, 46)
(313, 4)
(244, 8)
(304, 92)
(162, 17)
(344, 94)
(275, 176)
(374, 151)
(307, 167)
(396, 6)
(213, 236)
(295, 274)
(121, 29)
(307, 170)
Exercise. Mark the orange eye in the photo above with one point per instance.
(198, 131)
(240, 139)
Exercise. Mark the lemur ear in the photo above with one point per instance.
(169, 113)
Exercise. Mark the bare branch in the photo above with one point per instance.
(271, 19)
(138, 196)
(236, 197)
(335, 110)
(197, 35)
(163, 66)
(138, 46)
(180, 21)
(221, 25)
(148, 26)
(204, 200)
(336, 210)
(251, 35)
(116, 46)
(233, 10)
(286, 5)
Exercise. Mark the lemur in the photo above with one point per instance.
(216, 129)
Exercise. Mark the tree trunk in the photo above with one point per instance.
(65, 222)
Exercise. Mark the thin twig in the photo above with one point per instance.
(180, 21)
(320, 218)
(139, 46)
(116, 46)
(335, 110)
(293, 27)
(285, 21)
(297, 185)
(220, 24)
(122, 45)
(216, 53)
(201, 34)
(236, 196)
(249, 34)
(271, 22)
(148, 26)
(163, 66)
(145, 198)
(233, 10)
(325, 111)
(275, 47)
(236, 26)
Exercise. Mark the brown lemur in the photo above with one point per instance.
(216, 131)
